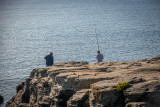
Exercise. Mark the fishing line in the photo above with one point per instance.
(97, 38)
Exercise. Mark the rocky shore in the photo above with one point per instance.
(1, 99)
(79, 84)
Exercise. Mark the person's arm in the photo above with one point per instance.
(45, 57)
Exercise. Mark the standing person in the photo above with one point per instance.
(49, 59)
(99, 56)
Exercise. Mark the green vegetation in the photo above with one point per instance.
(122, 86)
(96, 92)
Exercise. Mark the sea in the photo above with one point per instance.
(124, 30)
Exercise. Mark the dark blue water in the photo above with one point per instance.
(29, 29)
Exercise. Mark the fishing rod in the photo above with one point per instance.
(97, 38)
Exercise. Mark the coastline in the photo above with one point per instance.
(79, 84)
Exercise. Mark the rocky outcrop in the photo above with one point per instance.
(79, 84)
(1, 99)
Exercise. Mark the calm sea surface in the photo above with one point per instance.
(29, 29)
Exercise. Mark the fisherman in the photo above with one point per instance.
(49, 59)
(99, 56)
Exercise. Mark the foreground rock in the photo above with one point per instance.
(1, 99)
(79, 84)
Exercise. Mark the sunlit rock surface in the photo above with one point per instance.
(79, 84)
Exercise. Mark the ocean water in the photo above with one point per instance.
(127, 30)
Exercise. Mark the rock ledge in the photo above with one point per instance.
(79, 84)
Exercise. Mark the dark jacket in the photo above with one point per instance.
(49, 60)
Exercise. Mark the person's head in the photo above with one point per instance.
(98, 51)
(51, 53)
